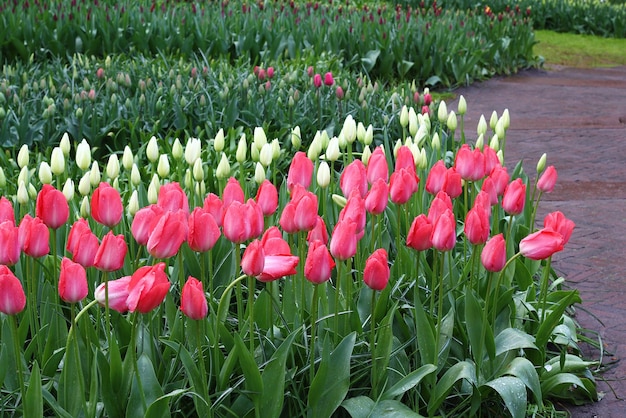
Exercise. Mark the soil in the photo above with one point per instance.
(577, 117)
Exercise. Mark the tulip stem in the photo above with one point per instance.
(251, 287)
(373, 346)
(203, 379)
(33, 305)
(107, 316)
(133, 352)
(337, 290)
(17, 351)
(497, 287)
(545, 279)
(314, 304)
(239, 292)
(439, 311)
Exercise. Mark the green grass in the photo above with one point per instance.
(582, 51)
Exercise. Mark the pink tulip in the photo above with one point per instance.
(514, 197)
(319, 263)
(355, 211)
(118, 294)
(9, 243)
(173, 198)
(439, 205)
(470, 164)
(547, 180)
(144, 222)
(7, 213)
(203, 231)
(305, 215)
(343, 240)
(444, 231)
(404, 159)
(111, 253)
(317, 80)
(541, 244)
(267, 197)
(72, 281)
(52, 208)
(491, 159)
(82, 243)
(376, 272)
(34, 237)
(436, 177)
(300, 171)
(377, 167)
(477, 225)
(214, 205)
(273, 242)
(489, 187)
(253, 259)
(354, 177)
(242, 222)
(402, 185)
(12, 297)
(168, 234)
(419, 235)
(277, 266)
(232, 193)
(452, 184)
(377, 198)
(559, 223)
(500, 177)
(319, 232)
(287, 218)
(147, 288)
(328, 79)
(106, 205)
(193, 302)
(493, 255)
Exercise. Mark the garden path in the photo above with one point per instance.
(578, 117)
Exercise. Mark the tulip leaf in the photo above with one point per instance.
(33, 400)
(425, 336)
(408, 382)
(513, 339)
(113, 408)
(71, 378)
(369, 60)
(160, 407)
(474, 324)
(555, 384)
(463, 370)
(364, 407)
(554, 318)
(149, 391)
(513, 392)
(274, 380)
(382, 350)
(332, 380)
(524, 370)
(254, 382)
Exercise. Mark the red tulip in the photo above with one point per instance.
(319, 232)
(82, 243)
(376, 272)
(300, 171)
(470, 164)
(559, 223)
(444, 231)
(402, 185)
(277, 266)
(12, 297)
(343, 240)
(173, 198)
(6, 210)
(255, 215)
(144, 222)
(168, 234)
(106, 205)
(242, 222)
(9, 243)
(436, 178)
(192, 300)
(111, 253)
(354, 177)
(541, 244)
(253, 259)
(317, 80)
(52, 208)
(452, 184)
(232, 193)
(147, 288)
(203, 231)
(477, 225)
(34, 237)
(404, 159)
(118, 294)
(493, 255)
(355, 210)
(319, 263)
(267, 197)
(514, 197)
(377, 198)
(491, 159)
(419, 234)
(328, 79)
(547, 180)
(273, 242)
(305, 216)
(489, 187)
(214, 205)
(500, 177)
(377, 167)
(287, 218)
(72, 281)
(440, 204)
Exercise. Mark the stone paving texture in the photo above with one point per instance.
(577, 117)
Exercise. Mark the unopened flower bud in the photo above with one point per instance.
(153, 190)
(339, 200)
(506, 119)
(275, 149)
(500, 155)
(541, 164)
(404, 116)
(493, 120)
(152, 150)
(218, 142)
(500, 131)
(482, 126)
(85, 210)
(223, 168)
(332, 151)
(462, 107)
(22, 194)
(315, 148)
(495, 142)
(350, 129)
(480, 142)
(193, 150)
(259, 138)
(296, 137)
(413, 122)
(323, 175)
(442, 112)
(23, 156)
(259, 173)
(3, 179)
(65, 144)
(396, 147)
(163, 167)
(452, 122)
(369, 135)
(133, 204)
(365, 156)
(198, 171)
(127, 158)
(360, 133)
(266, 154)
(57, 161)
(113, 167)
(135, 176)
(422, 162)
(68, 189)
(177, 150)
(188, 181)
(83, 155)
(242, 149)
(435, 142)
(94, 174)
(254, 153)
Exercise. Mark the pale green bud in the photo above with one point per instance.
(396, 147)
(24, 175)
(266, 155)
(218, 142)
(339, 200)
(500, 155)
(32, 192)
(23, 156)
(365, 156)
(84, 185)
(323, 175)
(259, 173)
(404, 116)
(85, 209)
(254, 153)
(442, 112)
(65, 144)
(223, 168)
(435, 142)
(324, 139)
(133, 204)
(350, 129)
(152, 150)
(113, 167)
(163, 167)
(415, 150)
(83, 155)
(452, 122)
(275, 149)
(259, 139)
(369, 135)
(506, 119)
(315, 149)
(408, 141)
(193, 150)
(462, 107)
(500, 131)
(177, 150)
(68, 189)
(198, 171)
(127, 158)
(135, 176)
(57, 161)
(22, 194)
(421, 134)
(360, 133)
(45, 173)
(413, 122)
(116, 184)
(493, 120)
(480, 142)
(153, 190)
(422, 164)
(296, 137)
(94, 174)
(242, 149)
(495, 142)
(3, 179)
(541, 164)
(188, 180)
(332, 151)
(341, 139)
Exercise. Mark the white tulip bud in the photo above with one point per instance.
(68, 189)
(435, 142)
(113, 167)
(480, 142)
(218, 142)
(360, 133)
(133, 204)
(367, 153)
(223, 168)
(23, 156)
(259, 173)
(22, 194)
(32, 192)
(153, 190)
(493, 120)
(259, 138)
(83, 155)
(296, 137)
(266, 155)
(422, 163)
(452, 122)
(332, 151)
(404, 116)
(188, 179)
(198, 171)
(495, 142)
(315, 148)
(84, 185)
(506, 119)
(3, 179)
(135, 176)
(500, 131)
(163, 167)
(65, 144)
(541, 164)
(275, 149)
(323, 175)
(45, 173)
(339, 200)
(500, 157)
(396, 147)
(24, 175)
(57, 161)
(193, 150)
(177, 150)
(242, 149)
(462, 107)
(413, 122)
(369, 135)
(481, 129)
(254, 153)
(85, 209)
(94, 174)
(152, 150)
(127, 158)
(442, 112)
(349, 129)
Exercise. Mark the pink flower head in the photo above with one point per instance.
(193, 302)
(144, 222)
(7, 213)
(319, 263)
(72, 281)
(34, 237)
(300, 171)
(213, 204)
(232, 193)
(343, 241)
(118, 293)
(317, 80)
(404, 159)
(559, 223)
(477, 225)
(419, 235)
(173, 198)
(377, 167)
(9, 243)
(147, 288)
(444, 231)
(354, 177)
(253, 259)
(168, 234)
(52, 208)
(514, 197)
(319, 232)
(402, 185)
(328, 79)
(12, 297)
(267, 197)
(376, 272)
(203, 230)
(541, 244)
(377, 198)
(106, 205)
(355, 210)
(547, 180)
(111, 253)
(493, 256)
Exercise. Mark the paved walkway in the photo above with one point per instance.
(578, 117)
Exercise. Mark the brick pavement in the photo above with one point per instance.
(578, 117)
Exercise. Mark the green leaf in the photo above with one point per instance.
(364, 407)
(513, 392)
(274, 380)
(425, 336)
(408, 382)
(382, 351)
(524, 370)
(554, 318)
(474, 324)
(71, 398)
(254, 382)
(150, 390)
(113, 408)
(369, 60)
(571, 364)
(462, 370)
(554, 384)
(160, 407)
(332, 380)
(33, 400)
(513, 339)
(359, 407)
(227, 369)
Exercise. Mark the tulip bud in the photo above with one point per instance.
(462, 107)
(332, 151)
(493, 120)
(266, 154)
(23, 156)
(365, 156)
(197, 170)
(259, 138)
(452, 122)
(163, 167)
(218, 142)
(85, 210)
(413, 122)
(369, 135)
(127, 158)
(84, 185)
(133, 204)
(541, 164)
(259, 173)
(32, 192)
(323, 175)
(22, 194)
(242, 149)
(360, 133)
(296, 137)
(223, 168)
(94, 174)
(3, 179)
(113, 167)
(254, 153)
(152, 150)
(57, 161)
(435, 142)
(500, 155)
(500, 131)
(153, 190)
(404, 116)
(45, 173)
(315, 148)
(177, 150)
(135, 176)
(481, 129)
(442, 112)
(68, 189)
(24, 175)
(83, 155)
(495, 142)
(193, 150)
(349, 129)
(339, 200)
(275, 149)
(65, 144)
(506, 119)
